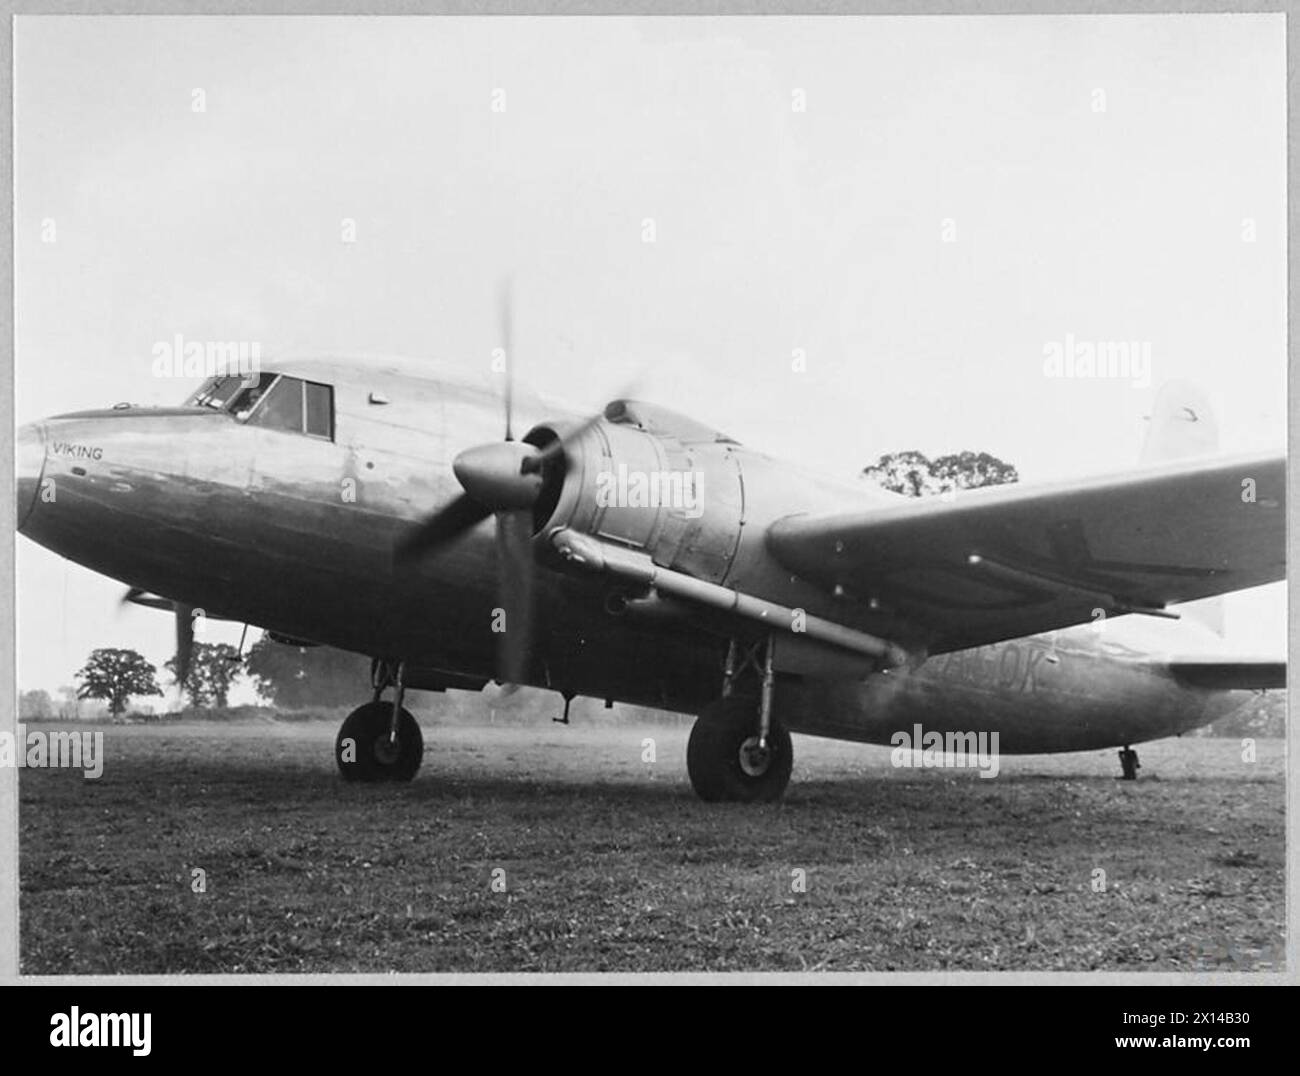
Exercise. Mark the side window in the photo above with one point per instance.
(319, 401)
(282, 407)
(297, 406)
(242, 405)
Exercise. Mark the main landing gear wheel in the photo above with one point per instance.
(364, 749)
(724, 760)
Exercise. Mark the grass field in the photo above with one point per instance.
(554, 848)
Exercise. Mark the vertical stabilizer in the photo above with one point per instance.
(1181, 425)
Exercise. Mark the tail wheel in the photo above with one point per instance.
(724, 760)
(364, 750)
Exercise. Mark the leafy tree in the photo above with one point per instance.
(115, 675)
(294, 677)
(35, 705)
(909, 473)
(970, 470)
(916, 475)
(213, 668)
(221, 665)
(69, 703)
(193, 686)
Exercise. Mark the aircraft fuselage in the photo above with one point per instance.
(295, 534)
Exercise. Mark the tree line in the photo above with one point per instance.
(285, 676)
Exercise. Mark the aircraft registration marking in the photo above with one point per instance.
(1013, 666)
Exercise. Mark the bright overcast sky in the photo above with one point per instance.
(954, 196)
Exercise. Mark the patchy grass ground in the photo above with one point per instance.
(609, 863)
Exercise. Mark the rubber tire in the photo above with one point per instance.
(366, 726)
(713, 754)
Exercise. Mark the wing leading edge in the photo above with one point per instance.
(1010, 561)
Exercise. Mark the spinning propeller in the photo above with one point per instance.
(184, 615)
(501, 478)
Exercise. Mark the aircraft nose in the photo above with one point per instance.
(29, 463)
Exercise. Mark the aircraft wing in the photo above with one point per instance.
(1010, 561)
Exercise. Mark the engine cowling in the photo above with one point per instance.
(647, 479)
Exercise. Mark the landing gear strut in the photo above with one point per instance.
(380, 741)
(1128, 762)
(738, 750)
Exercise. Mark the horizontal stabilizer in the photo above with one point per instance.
(1231, 675)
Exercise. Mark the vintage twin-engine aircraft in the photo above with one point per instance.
(640, 556)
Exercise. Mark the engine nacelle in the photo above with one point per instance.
(650, 480)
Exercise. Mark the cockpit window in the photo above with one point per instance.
(245, 403)
(282, 407)
(275, 401)
(297, 407)
(215, 392)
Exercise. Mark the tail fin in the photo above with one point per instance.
(1183, 425)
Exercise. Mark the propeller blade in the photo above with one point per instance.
(184, 642)
(516, 572)
(443, 526)
(506, 317)
(136, 596)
